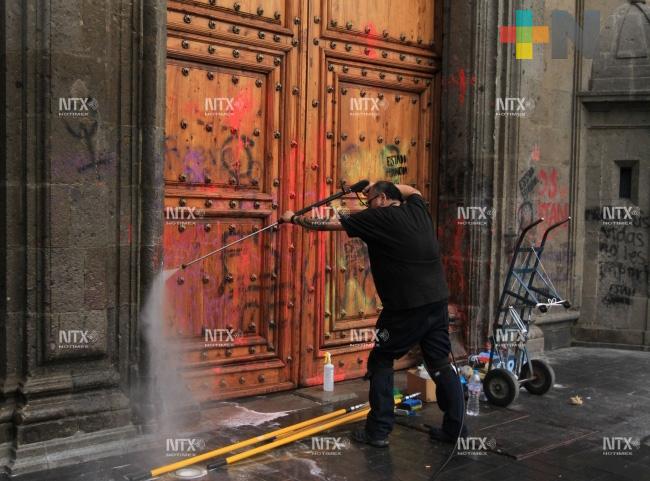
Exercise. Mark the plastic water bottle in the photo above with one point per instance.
(474, 389)
(422, 372)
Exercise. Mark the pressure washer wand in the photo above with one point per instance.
(358, 187)
(183, 266)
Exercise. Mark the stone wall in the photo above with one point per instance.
(615, 163)
(518, 140)
(76, 246)
(509, 147)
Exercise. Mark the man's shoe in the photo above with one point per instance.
(437, 434)
(361, 436)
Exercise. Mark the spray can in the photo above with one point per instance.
(328, 373)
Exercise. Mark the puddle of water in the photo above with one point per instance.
(190, 473)
(232, 415)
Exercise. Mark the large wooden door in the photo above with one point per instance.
(271, 104)
(228, 120)
(373, 80)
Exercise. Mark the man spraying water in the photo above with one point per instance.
(410, 281)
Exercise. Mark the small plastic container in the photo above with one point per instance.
(328, 373)
(474, 391)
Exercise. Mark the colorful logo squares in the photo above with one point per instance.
(524, 35)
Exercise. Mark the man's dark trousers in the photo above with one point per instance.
(397, 332)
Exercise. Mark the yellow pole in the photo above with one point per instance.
(293, 437)
(344, 413)
(254, 440)
(288, 438)
(284, 435)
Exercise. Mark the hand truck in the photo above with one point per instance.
(527, 287)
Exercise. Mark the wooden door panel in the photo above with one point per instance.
(380, 131)
(354, 297)
(222, 182)
(267, 10)
(379, 124)
(221, 114)
(374, 114)
(185, 291)
(231, 278)
(406, 21)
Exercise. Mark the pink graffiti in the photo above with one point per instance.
(548, 181)
(535, 154)
(552, 203)
(462, 81)
(242, 106)
(371, 41)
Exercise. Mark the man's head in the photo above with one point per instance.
(383, 194)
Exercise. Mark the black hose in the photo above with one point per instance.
(460, 431)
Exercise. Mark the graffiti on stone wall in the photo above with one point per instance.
(623, 270)
(545, 195)
(542, 196)
(552, 201)
(461, 81)
(80, 116)
(453, 241)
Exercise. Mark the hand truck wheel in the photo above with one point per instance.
(544, 377)
(500, 387)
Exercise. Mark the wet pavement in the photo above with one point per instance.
(537, 438)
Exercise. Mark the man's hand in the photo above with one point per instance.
(286, 217)
(407, 191)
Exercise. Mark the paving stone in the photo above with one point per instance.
(529, 430)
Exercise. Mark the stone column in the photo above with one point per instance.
(81, 142)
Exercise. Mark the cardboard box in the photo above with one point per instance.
(426, 387)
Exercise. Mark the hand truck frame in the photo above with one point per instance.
(510, 366)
